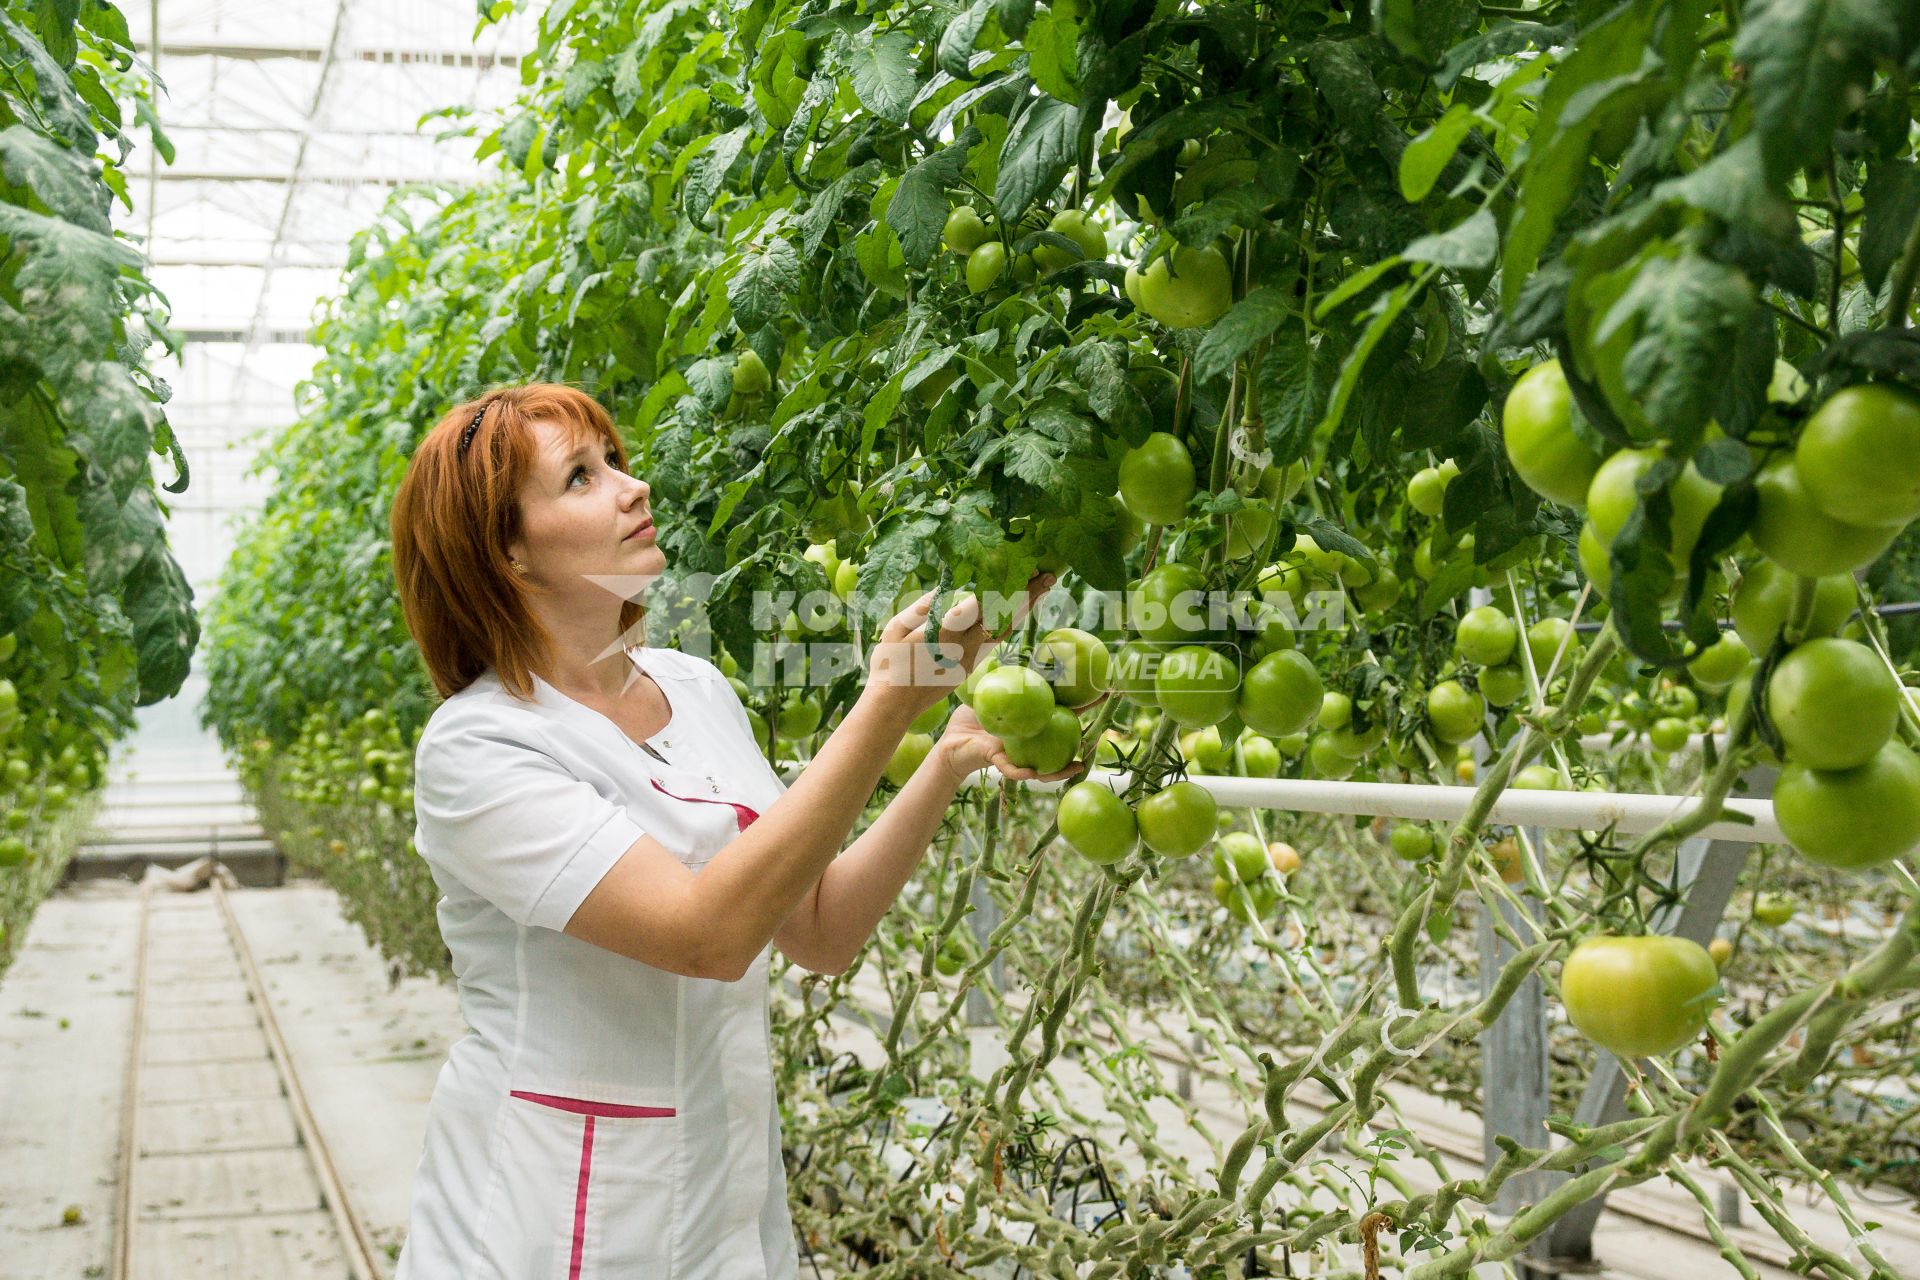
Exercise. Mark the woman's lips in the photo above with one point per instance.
(646, 527)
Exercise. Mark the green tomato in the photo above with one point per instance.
(1720, 663)
(1772, 908)
(1764, 597)
(1639, 996)
(1455, 712)
(1797, 535)
(1381, 594)
(1097, 823)
(1280, 694)
(985, 265)
(1612, 498)
(1669, 733)
(1240, 857)
(964, 231)
(1013, 702)
(986, 665)
(1411, 843)
(1327, 759)
(930, 720)
(1205, 749)
(1157, 479)
(1177, 821)
(1537, 777)
(1075, 662)
(1486, 636)
(1169, 605)
(13, 851)
(1133, 669)
(9, 645)
(1291, 745)
(1196, 291)
(1050, 749)
(1427, 491)
(907, 757)
(1859, 455)
(1852, 818)
(1336, 710)
(1355, 743)
(1503, 686)
(1248, 529)
(1278, 485)
(846, 579)
(1197, 685)
(1834, 703)
(1246, 902)
(750, 376)
(1259, 757)
(1271, 632)
(797, 717)
(1537, 425)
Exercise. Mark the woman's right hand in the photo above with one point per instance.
(900, 669)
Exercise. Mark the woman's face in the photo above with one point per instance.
(582, 517)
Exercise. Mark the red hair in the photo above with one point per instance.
(454, 516)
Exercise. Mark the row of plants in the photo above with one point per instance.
(96, 617)
(1598, 310)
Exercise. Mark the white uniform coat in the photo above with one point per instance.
(601, 1119)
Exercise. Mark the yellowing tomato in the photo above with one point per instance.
(1639, 996)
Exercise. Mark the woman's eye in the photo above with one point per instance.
(578, 472)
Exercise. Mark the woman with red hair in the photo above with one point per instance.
(616, 858)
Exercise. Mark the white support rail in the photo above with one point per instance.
(1627, 814)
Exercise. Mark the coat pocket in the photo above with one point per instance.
(588, 1190)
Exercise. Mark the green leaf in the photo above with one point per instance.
(1385, 310)
(60, 179)
(823, 211)
(1247, 322)
(1892, 197)
(1052, 55)
(1686, 314)
(1036, 156)
(766, 279)
(1808, 63)
(878, 253)
(708, 171)
(1101, 368)
(1733, 186)
(1296, 378)
(1355, 284)
(1471, 246)
(885, 75)
(1428, 154)
(918, 210)
(956, 42)
(60, 109)
(1556, 155)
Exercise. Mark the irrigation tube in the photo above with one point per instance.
(1628, 814)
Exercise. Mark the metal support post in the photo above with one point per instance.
(986, 1052)
(1513, 1060)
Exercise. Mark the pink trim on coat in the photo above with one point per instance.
(741, 814)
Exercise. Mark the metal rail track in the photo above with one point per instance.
(222, 1168)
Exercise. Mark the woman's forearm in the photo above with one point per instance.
(856, 891)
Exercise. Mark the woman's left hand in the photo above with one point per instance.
(965, 748)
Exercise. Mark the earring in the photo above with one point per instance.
(519, 568)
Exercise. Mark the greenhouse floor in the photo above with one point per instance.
(365, 1053)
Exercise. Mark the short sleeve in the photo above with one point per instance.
(508, 820)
